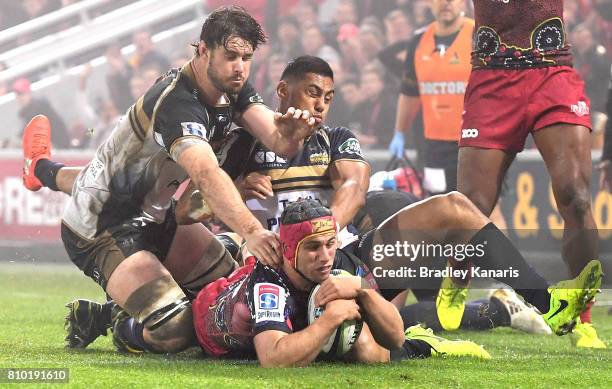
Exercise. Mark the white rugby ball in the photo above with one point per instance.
(343, 338)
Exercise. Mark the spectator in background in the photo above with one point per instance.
(372, 40)
(288, 43)
(591, 61)
(398, 32)
(340, 112)
(421, 13)
(603, 22)
(180, 58)
(118, 78)
(30, 106)
(275, 65)
(346, 12)
(376, 112)
(313, 43)
(145, 53)
(353, 57)
(397, 27)
(306, 14)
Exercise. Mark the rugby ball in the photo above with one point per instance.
(343, 338)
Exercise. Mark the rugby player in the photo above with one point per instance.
(451, 219)
(331, 166)
(306, 83)
(232, 317)
(523, 82)
(436, 72)
(119, 226)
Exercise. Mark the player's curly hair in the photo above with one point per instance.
(226, 22)
(302, 210)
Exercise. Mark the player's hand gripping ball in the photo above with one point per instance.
(343, 338)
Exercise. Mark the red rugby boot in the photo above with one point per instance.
(36, 145)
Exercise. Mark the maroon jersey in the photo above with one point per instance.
(519, 34)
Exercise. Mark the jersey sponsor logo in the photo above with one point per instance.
(442, 88)
(319, 158)
(270, 304)
(350, 146)
(469, 133)
(580, 109)
(194, 128)
(268, 157)
(96, 167)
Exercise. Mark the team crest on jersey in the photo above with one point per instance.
(319, 158)
(256, 98)
(350, 146)
(194, 128)
(270, 303)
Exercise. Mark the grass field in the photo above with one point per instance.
(32, 314)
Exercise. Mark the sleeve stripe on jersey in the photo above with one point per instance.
(141, 116)
(298, 179)
(299, 187)
(297, 172)
(352, 160)
(135, 125)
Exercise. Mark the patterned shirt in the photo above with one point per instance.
(519, 34)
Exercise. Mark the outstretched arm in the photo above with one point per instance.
(283, 134)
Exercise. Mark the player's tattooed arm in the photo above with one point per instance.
(282, 133)
(350, 180)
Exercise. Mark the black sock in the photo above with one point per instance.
(500, 254)
(131, 332)
(479, 315)
(107, 308)
(482, 315)
(421, 313)
(46, 171)
(411, 348)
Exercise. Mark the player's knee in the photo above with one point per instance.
(574, 202)
(165, 312)
(479, 199)
(173, 335)
(455, 205)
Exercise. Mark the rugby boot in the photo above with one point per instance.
(450, 304)
(36, 145)
(444, 347)
(585, 335)
(118, 317)
(522, 317)
(569, 298)
(85, 322)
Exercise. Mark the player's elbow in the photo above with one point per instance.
(396, 340)
(280, 362)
